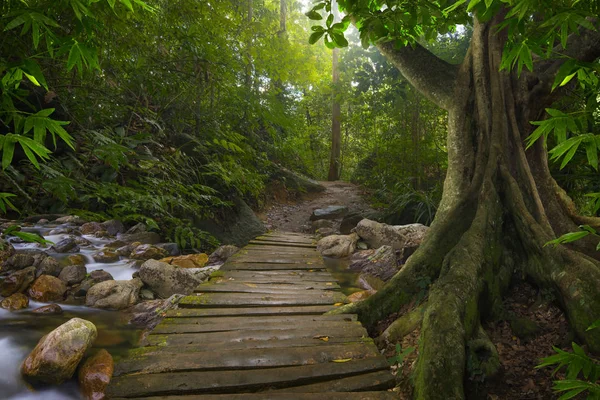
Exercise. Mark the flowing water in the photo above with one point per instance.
(348, 280)
(20, 331)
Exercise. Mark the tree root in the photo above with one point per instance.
(402, 326)
(482, 356)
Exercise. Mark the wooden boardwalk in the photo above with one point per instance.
(256, 331)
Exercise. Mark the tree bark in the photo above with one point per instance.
(499, 207)
(336, 128)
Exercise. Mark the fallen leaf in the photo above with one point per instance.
(338, 304)
(322, 337)
(341, 360)
(329, 284)
(250, 284)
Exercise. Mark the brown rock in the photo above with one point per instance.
(148, 252)
(47, 288)
(17, 301)
(106, 256)
(50, 309)
(17, 282)
(188, 261)
(57, 354)
(89, 228)
(6, 250)
(95, 374)
(76, 259)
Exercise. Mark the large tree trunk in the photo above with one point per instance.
(499, 207)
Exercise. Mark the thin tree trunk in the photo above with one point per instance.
(336, 114)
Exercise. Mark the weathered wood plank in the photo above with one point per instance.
(159, 362)
(173, 383)
(241, 321)
(286, 239)
(265, 288)
(315, 275)
(276, 244)
(249, 311)
(258, 299)
(267, 267)
(380, 380)
(188, 341)
(277, 395)
(323, 326)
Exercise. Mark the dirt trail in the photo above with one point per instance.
(294, 216)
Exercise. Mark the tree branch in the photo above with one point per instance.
(429, 74)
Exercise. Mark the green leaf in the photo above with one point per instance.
(315, 16)
(339, 39)
(127, 4)
(568, 238)
(595, 325)
(472, 4)
(314, 38)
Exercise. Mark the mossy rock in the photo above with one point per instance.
(524, 328)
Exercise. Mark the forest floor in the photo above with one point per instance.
(292, 215)
(518, 379)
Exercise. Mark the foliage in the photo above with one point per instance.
(582, 371)
(400, 356)
(585, 230)
(15, 230)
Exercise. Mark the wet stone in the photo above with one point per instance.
(17, 282)
(48, 266)
(50, 309)
(67, 245)
(95, 374)
(47, 288)
(18, 261)
(14, 302)
(100, 275)
(89, 228)
(73, 274)
(106, 256)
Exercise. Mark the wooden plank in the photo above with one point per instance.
(379, 380)
(249, 311)
(159, 362)
(231, 287)
(322, 326)
(189, 341)
(298, 273)
(268, 267)
(292, 284)
(285, 319)
(276, 259)
(258, 299)
(354, 331)
(277, 395)
(286, 238)
(276, 244)
(173, 383)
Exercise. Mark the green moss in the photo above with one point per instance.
(217, 274)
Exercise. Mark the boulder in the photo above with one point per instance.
(57, 354)
(140, 227)
(113, 227)
(89, 228)
(166, 280)
(221, 254)
(172, 249)
(114, 295)
(322, 223)
(142, 237)
(102, 234)
(115, 244)
(349, 222)
(73, 274)
(147, 314)
(125, 251)
(47, 288)
(237, 225)
(68, 230)
(68, 245)
(337, 246)
(80, 241)
(329, 212)
(50, 309)
(106, 256)
(48, 266)
(18, 261)
(100, 275)
(6, 250)
(381, 263)
(324, 232)
(398, 236)
(95, 374)
(147, 252)
(43, 221)
(188, 261)
(70, 219)
(17, 282)
(17, 301)
(76, 259)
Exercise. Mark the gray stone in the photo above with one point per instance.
(17, 282)
(337, 246)
(172, 249)
(66, 230)
(18, 261)
(147, 314)
(73, 274)
(324, 232)
(50, 309)
(137, 228)
(329, 212)
(380, 263)
(142, 237)
(221, 254)
(106, 256)
(6, 251)
(57, 354)
(398, 236)
(70, 219)
(114, 295)
(100, 275)
(146, 294)
(68, 245)
(166, 280)
(113, 227)
(48, 266)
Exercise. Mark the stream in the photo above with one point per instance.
(21, 330)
